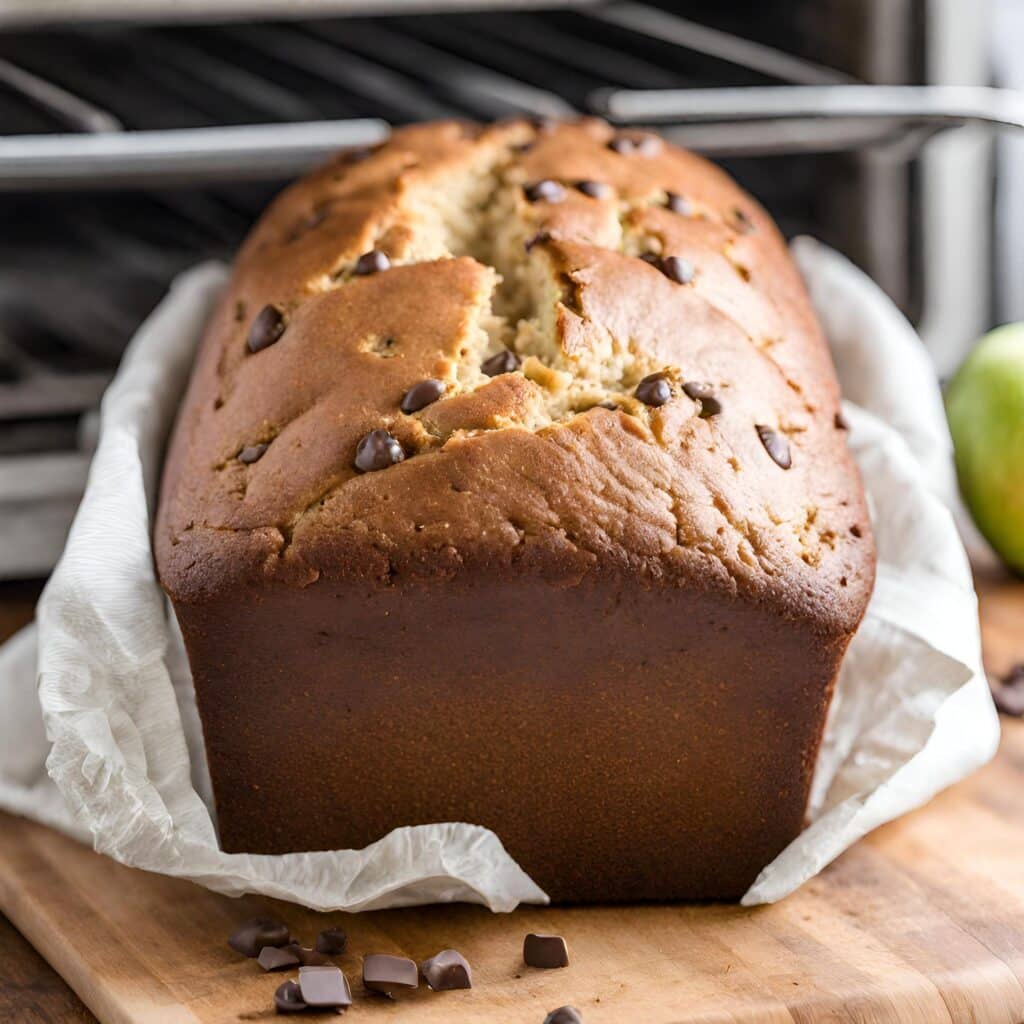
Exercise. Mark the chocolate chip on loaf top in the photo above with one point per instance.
(614, 329)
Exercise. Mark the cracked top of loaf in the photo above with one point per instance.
(669, 414)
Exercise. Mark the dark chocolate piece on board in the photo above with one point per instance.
(389, 974)
(324, 987)
(288, 998)
(545, 951)
(447, 970)
(277, 958)
(564, 1015)
(249, 938)
(331, 942)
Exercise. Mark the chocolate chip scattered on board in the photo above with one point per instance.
(250, 938)
(277, 958)
(331, 942)
(389, 974)
(447, 970)
(324, 987)
(545, 951)
(564, 1015)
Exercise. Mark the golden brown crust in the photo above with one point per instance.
(522, 473)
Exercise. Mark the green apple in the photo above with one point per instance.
(985, 404)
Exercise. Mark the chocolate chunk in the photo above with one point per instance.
(389, 974)
(272, 958)
(742, 220)
(594, 189)
(331, 942)
(545, 951)
(252, 453)
(545, 191)
(538, 239)
(288, 998)
(653, 390)
(324, 987)
(307, 957)
(372, 262)
(645, 145)
(679, 204)
(1008, 692)
(505, 361)
(249, 938)
(564, 1015)
(447, 970)
(775, 445)
(378, 450)
(419, 396)
(675, 268)
(703, 393)
(266, 328)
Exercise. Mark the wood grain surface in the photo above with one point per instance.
(921, 922)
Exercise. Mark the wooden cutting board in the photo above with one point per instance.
(921, 922)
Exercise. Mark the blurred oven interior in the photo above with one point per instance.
(88, 247)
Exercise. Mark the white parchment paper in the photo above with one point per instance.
(99, 734)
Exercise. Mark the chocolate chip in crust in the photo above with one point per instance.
(331, 942)
(420, 395)
(545, 951)
(776, 445)
(266, 328)
(545, 191)
(564, 1015)
(372, 262)
(675, 268)
(252, 453)
(541, 238)
(250, 938)
(645, 145)
(446, 971)
(378, 450)
(679, 204)
(743, 221)
(705, 395)
(505, 361)
(594, 189)
(653, 390)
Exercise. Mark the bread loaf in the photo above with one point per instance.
(511, 487)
